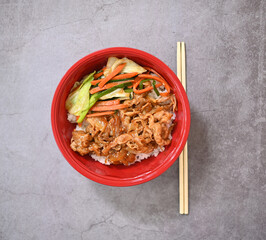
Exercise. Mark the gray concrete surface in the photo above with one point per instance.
(43, 197)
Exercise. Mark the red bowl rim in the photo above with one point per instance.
(112, 181)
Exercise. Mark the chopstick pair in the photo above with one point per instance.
(183, 158)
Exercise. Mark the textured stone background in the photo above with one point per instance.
(43, 197)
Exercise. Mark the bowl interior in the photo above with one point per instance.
(118, 175)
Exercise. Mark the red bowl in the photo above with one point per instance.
(119, 175)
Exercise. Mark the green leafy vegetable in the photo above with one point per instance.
(78, 100)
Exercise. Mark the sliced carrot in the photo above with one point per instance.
(152, 77)
(118, 69)
(97, 75)
(137, 91)
(100, 114)
(77, 118)
(107, 103)
(166, 85)
(124, 76)
(153, 71)
(107, 86)
(95, 82)
(108, 108)
(97, 89)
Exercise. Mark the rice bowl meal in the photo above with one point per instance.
(124, 113)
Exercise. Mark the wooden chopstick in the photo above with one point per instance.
(183, 158)
(184, 83)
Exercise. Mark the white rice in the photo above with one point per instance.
(71, 118)
(82, 128)
(155, 153)
(100, 159)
